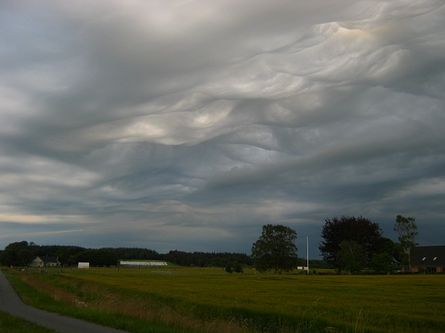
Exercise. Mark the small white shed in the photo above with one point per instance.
(83, 265)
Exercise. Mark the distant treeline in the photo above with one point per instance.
(22, 253)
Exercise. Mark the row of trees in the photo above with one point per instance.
(22, 253)
(349, 244)
(353, 244)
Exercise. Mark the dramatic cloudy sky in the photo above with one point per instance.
(188, 124)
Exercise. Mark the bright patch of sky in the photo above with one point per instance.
(190, 124)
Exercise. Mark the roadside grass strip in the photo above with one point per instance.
(10, 324)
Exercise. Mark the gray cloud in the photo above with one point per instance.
(189, 124)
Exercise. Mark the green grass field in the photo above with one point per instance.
(9, 324)
(210, 300)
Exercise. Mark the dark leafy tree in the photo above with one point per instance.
(406, 228)
(234, 267)
(228, 269)
(98, 257)
(18, 254)
(66, 254)
(275, 249)
(237, 268)
(351, 256)
(386, 245)
(383, 262)
(358, 229)
(205, 259)
(135, 253)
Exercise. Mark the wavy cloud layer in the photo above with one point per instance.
(189, 124)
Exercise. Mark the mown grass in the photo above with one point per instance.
(10, 324)
(209, 300)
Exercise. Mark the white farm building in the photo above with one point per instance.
(132, 263)
(83, 265)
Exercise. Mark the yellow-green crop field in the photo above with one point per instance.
(178, 299)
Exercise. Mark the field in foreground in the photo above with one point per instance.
(9, 324)
(210, 300)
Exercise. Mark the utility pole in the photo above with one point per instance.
(307, 255)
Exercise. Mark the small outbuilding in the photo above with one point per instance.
(83, 265)
(428, 259)
(52, 261)
(37, 262)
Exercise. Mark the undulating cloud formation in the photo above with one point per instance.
(188, 124)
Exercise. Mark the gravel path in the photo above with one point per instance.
(12, 304)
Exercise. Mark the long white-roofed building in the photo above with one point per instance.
(142, 263)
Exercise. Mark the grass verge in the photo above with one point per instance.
(10, 324)
(61, 302)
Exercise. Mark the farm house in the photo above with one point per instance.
(37, 262)
(429, 259)
(47, 262)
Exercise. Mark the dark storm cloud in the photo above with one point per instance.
(188, 124)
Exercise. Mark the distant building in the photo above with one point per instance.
(47, 262)
(52, 261)
(429, 259)
(148, 263)
(37, 262)
(83, 265)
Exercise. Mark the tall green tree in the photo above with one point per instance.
(349, 228)
(275, 249)
(406, 228)
(385, 259)
(351, 256)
